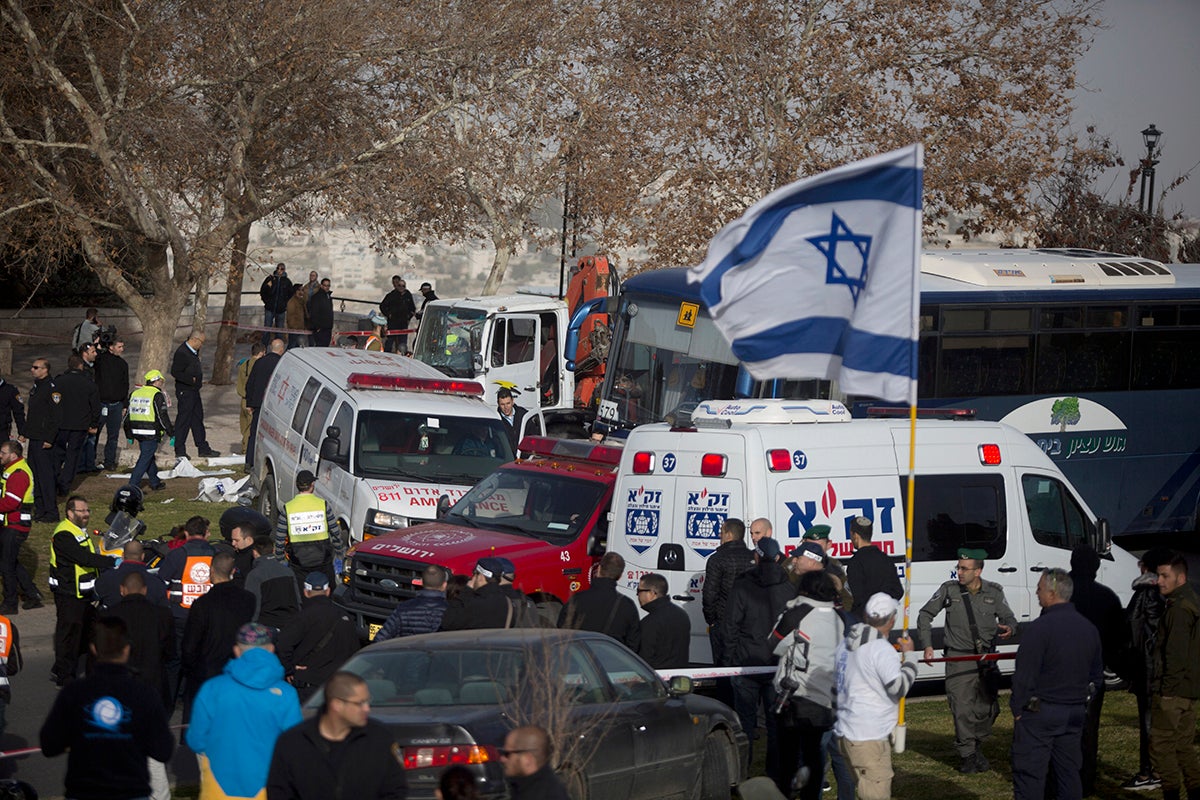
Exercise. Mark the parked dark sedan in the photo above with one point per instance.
(620, 731)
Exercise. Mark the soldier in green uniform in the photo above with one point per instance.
(976, 615)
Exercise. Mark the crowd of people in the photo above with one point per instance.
(303, 312)
(241, 629)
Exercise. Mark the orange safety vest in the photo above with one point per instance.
(196, 579)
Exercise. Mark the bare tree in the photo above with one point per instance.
(150, 133)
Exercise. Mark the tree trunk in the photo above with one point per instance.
(499, 270)
(159, 316)
(227, 333)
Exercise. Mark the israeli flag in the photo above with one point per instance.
(819, 279)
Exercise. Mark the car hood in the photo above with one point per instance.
(450, 545)
(412, 500)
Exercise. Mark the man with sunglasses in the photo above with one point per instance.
(526, 760)
(340, 752)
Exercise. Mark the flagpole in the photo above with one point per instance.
(915, 333)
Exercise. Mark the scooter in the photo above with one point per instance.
(124, 527)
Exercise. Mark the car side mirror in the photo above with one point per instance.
(443, 506)
(1103, 542)
(679, 686)
(597, 546)
(331, 446)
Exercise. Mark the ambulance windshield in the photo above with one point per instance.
(449, 338)
(438, 449)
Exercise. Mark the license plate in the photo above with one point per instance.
(372, 629)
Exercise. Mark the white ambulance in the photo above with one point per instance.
(385, 435)
(802, 463)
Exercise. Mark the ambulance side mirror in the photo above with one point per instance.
(1103, 538)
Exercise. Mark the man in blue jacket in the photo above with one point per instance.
(238, 715)
(420, 614)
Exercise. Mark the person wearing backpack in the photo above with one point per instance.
(85, 332)
(806, 637)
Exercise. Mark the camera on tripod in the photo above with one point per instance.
(105, 337)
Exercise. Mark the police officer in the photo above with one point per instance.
(80, 407)
(308, 532)
(16, 506)
(976, 614)
(146, 422)
(74, 567)
(41, 426)
(189, 377)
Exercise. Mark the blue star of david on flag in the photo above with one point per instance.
(834, 272)
(819, 279)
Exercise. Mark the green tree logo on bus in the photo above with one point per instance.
(1064, 412)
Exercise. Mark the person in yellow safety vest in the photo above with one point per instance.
(308, 533)
(146, 422)
(375, 339)
(16, 516)
(74, 565)
(10, 664)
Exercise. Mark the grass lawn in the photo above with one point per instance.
(164, 510)
(928, 767)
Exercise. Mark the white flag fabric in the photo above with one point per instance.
(820, 279)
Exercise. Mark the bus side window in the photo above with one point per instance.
(1054, 517)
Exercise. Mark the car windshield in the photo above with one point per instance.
(544, 505)
(449, 338)
(438, 449)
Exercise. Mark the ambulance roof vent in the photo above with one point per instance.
(722, 413)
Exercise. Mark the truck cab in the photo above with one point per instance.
(547, 512)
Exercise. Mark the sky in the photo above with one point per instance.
(1145, 68)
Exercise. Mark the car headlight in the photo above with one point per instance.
(384, 519)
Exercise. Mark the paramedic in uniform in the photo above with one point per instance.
(976, 614)
(146, 422)
(74, 566)
(16, 517)
(308, 532)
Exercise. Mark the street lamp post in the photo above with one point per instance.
(1150, 136)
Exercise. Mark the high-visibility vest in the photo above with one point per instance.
(195, 581)
(23, 516)
(373, 343)
(306, 519)
(143, 422)
(6, 642)
(84, 578)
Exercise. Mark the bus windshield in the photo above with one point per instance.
(449, 338)
(441, 449)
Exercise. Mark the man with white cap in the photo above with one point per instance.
(871, 680)
(146, 422)
(484, 603)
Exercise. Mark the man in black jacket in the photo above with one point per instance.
(398, 306)
(757, 599)
(189, 377)
(211, 629)
(869, 570)
(526, 759)
(320, 314)
(275, 292)
(724, 565)
(11, 410)
(483, 604)
(80, 409)
(666, 629)
(151, 633)
(112, 381)
(512, 414)
(108, 585)
(273, 585)
(602, 609)
(256, 391)
(318, 640)
(108, 723)
(341, 752)
(41, 426)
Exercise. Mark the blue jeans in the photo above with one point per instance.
(111, 416)
(841, 770)
(273, 319)
(748, 692)
(145, 464)
(87, 453)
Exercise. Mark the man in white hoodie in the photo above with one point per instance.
(871, 679)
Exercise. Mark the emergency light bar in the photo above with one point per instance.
(401, 383)
(571, 448)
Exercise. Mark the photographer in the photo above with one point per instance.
(112, 380)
